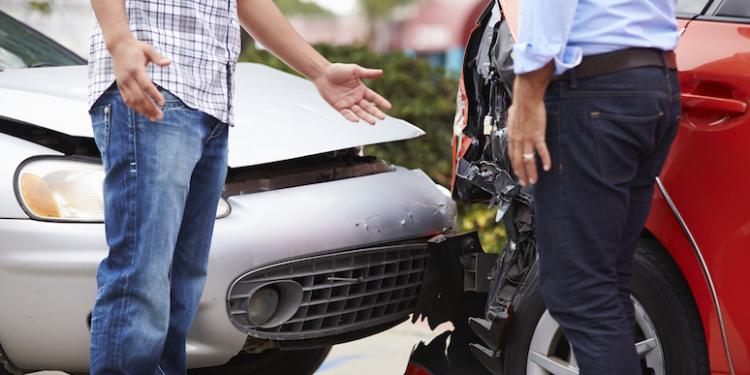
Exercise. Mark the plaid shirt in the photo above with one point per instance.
(202, 38)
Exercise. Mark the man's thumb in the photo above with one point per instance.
(155, 57)
(369, 73)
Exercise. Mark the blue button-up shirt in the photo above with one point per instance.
(567, 30)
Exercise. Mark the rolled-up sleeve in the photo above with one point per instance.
(543, 33)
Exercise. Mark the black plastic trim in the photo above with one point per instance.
(63, 143)
(310, 257)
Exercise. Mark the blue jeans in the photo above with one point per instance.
(609, 137)
(161, 191)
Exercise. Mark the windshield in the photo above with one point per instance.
(23, 47)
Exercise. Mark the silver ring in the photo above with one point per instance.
(529, 157)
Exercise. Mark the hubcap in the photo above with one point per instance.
(550, 353)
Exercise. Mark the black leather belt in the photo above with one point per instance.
(617, 61)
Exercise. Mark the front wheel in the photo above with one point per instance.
(670, 338)
(270, 362)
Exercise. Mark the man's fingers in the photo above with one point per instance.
(141, 103)
(150, 89)
(378, 100)
(362, 114)
(150, 98)
(529, 162)
(372, 109)
(155, 57)
(368, 73)
(516, 159)
(541, 149)
(124, 93)
(349, 115)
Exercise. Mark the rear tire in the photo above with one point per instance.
(669, 308)
(270, 362)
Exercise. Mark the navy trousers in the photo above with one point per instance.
(608, 136)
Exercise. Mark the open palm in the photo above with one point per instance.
(342, 87)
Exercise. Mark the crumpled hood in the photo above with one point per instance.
(278, 116)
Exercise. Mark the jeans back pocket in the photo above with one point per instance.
(622, 141)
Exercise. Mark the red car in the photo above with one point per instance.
(693, 261)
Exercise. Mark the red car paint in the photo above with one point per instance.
(705, 176)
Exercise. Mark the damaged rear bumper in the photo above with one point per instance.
(477, 292)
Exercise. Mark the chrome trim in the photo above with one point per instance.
(704, 268)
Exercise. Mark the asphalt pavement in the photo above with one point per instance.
(386, 353)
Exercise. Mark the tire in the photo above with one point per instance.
(665, 311)
(270, 362)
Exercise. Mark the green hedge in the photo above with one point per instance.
(423, 95)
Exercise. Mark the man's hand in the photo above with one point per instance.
(341, 86)
(527, 124)
(130, 58)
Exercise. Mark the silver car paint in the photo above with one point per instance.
(279, 116)
(47, 270)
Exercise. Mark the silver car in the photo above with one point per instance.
(315, 243)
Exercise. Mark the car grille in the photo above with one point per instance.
(342, 292)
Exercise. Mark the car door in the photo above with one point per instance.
(706, 173)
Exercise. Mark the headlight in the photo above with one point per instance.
(58, 189)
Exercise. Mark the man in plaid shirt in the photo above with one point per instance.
(161, 78)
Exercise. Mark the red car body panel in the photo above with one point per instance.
(704, 178)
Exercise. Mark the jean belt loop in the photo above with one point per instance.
(664, 64)
(573, 79)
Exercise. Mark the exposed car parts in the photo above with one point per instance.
(482, 168)
(458, 274)
(483, 174)
(507, 281)
(443, 299)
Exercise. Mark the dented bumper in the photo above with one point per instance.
(52, 266)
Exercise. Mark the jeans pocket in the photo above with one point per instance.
(101, 118)
(621, 142)
(171, 101)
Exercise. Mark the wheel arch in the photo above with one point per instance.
(665, 228)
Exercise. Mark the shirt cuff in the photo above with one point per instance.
(528, 57)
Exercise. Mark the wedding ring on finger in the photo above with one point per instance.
(528, 157)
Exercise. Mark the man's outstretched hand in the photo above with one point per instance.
(341, 86)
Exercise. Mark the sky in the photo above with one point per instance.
(339, 6)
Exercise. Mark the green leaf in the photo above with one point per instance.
(43, 6)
